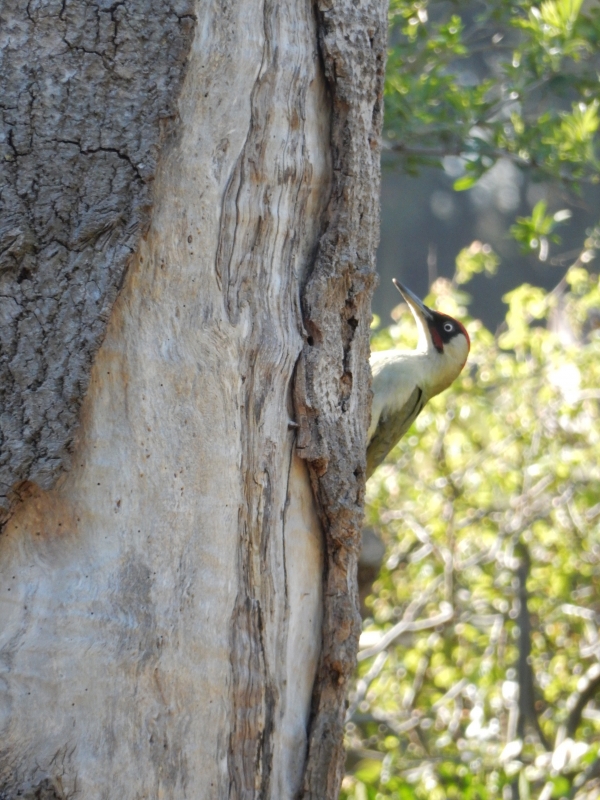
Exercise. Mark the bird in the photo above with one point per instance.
(405, 380)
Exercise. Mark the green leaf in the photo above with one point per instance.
(465, 182)
(476, 258)
(368, 771)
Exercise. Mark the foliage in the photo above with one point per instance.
(485, 81)
(480, 667)
(476, 258)
(534, 232)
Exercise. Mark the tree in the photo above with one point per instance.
(189, 202)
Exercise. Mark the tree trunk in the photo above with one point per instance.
(184, 466)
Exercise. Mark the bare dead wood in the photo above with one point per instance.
(269, 182)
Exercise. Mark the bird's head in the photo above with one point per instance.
(440, 336)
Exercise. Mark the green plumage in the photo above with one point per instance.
(391, 429)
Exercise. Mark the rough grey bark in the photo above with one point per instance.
(87, 96)
(163, 601)
(332, 391)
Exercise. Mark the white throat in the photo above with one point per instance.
(445, 367)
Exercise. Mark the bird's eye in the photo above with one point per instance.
(448, 327)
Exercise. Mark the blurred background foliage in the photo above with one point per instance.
(479, 672)
(500, 101)
(479, 662)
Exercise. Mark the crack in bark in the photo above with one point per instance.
(93, 150)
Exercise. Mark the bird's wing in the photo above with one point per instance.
(393, 382)
(391, 428)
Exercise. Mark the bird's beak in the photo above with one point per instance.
(416, 305)
(423, 315)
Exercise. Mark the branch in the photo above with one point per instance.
(445, 615)
(362, 685)
(460, 151)
(409, 698)
(586, 689)
(593, 771)
(423, 152)
(525, 671)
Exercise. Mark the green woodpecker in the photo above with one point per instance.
(403, 381)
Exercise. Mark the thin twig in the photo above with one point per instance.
(445, 615)
(586, 689)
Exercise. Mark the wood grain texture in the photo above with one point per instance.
(270, 221)
(332, 388)
(88, 94)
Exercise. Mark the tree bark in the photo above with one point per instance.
(165, 628)
(87, 95)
